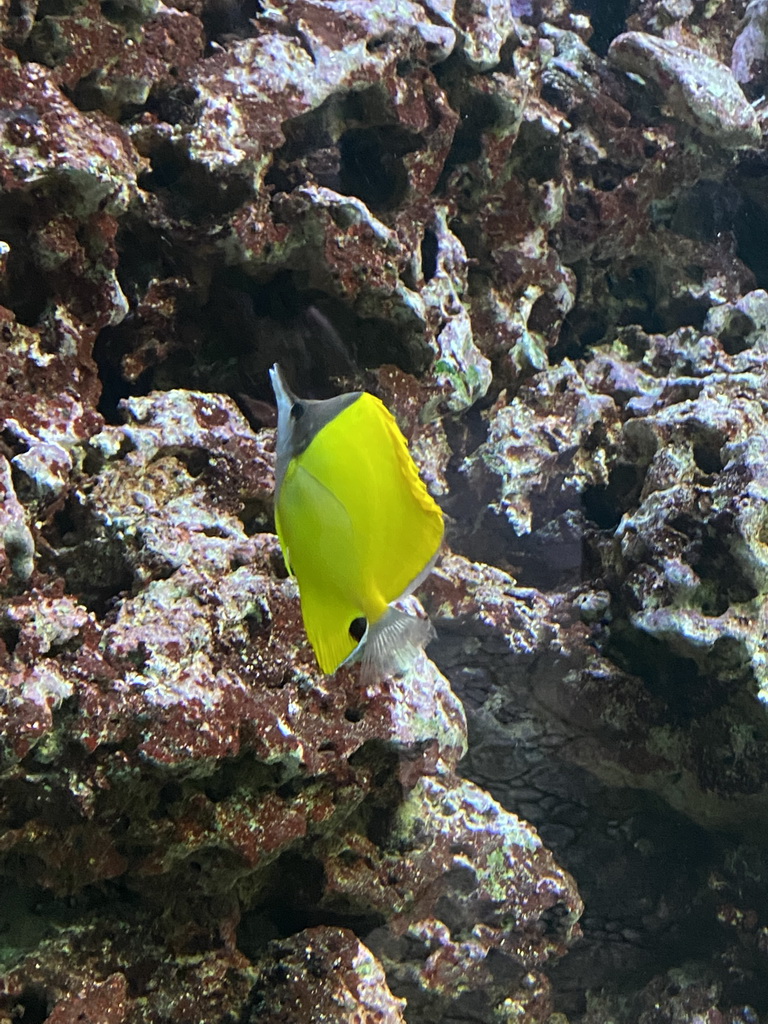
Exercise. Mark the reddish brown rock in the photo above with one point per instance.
(322, 973)
(551, 266)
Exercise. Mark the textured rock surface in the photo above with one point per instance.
(537, 230)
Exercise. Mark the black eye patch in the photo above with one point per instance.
(357, 628)
(297, 410)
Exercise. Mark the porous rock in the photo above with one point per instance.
(551, 266)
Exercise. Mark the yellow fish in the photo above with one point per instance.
(357, 526)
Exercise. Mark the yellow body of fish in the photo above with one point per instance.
(357, 527)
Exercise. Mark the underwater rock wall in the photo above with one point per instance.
(537, 230)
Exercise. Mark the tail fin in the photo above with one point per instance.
(393, 643)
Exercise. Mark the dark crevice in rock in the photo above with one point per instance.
(479, 113)
(687, 690)
(572, 343)
(228, 20)
(349, 145)
(608, 18)
(429, 250)
(96, 570)
(751, 228)
(34, 1005)
(114, 385)
(311, 151)
(226, 338)
(292, 899)
(725, 583)
(10, 632)
(606, 504)
(18, 223)
(658, 864)
(371, 164)
(187, 189)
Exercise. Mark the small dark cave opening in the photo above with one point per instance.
(372, 167)
(633, 293)
(310, 152)
(115, 385)
(224, 337)
(479, 113)
(227, 20)
(19, 215)
(291, 901)
(429, 252)
(96, 572)
(54, 9)
(350, 144)
(751, 230)
(724, 581)
(552, 557)
(687, 692)
(32, 1006)
(576, 338)
(187, 189)
(605, 504)
(608, 18)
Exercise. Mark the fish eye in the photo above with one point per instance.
(357, 628)
(297, 410)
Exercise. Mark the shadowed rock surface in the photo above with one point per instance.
(537, 230)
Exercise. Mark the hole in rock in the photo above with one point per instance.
(225, 19)
(570, 345)
(478, 113)
(641, 871)
(10, 632)
(608, 176)
(544, 317)
(372, 166)
(310, 152)
(643, 295)
(290, 901)
(724, 582)
(429, 251)
(605, 505)
(188, 188)
(194, 460)
(111, 345)
(23, 287)
(734, 334)
(125, 14)
(608, 19)
(706, 455)
(33, 1004)
(676, 680)
(54, 8)
(94, 566)
(171, 793)
(146, 255)
(223, 336)
(751, 230)
(379, 42)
